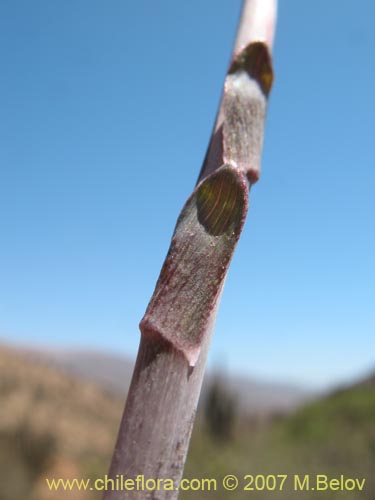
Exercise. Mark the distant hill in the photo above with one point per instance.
(51, 424)
(109, 371)
(59, 425)
(333, 436)
(113, 372)
(349, 409)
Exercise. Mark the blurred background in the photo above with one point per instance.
(106, 113)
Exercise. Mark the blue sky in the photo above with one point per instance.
(106, 113)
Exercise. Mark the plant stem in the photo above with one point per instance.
(175, 332)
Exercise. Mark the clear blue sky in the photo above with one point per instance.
(106, 111)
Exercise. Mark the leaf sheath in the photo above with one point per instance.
(177, 326)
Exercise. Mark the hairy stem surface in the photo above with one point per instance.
(176, 329)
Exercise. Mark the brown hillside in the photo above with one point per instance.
(51, 425)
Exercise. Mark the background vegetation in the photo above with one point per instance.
(56, 425)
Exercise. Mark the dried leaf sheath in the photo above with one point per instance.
(176, 328)
(238, 134)
(211, 221)
(202, 246)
